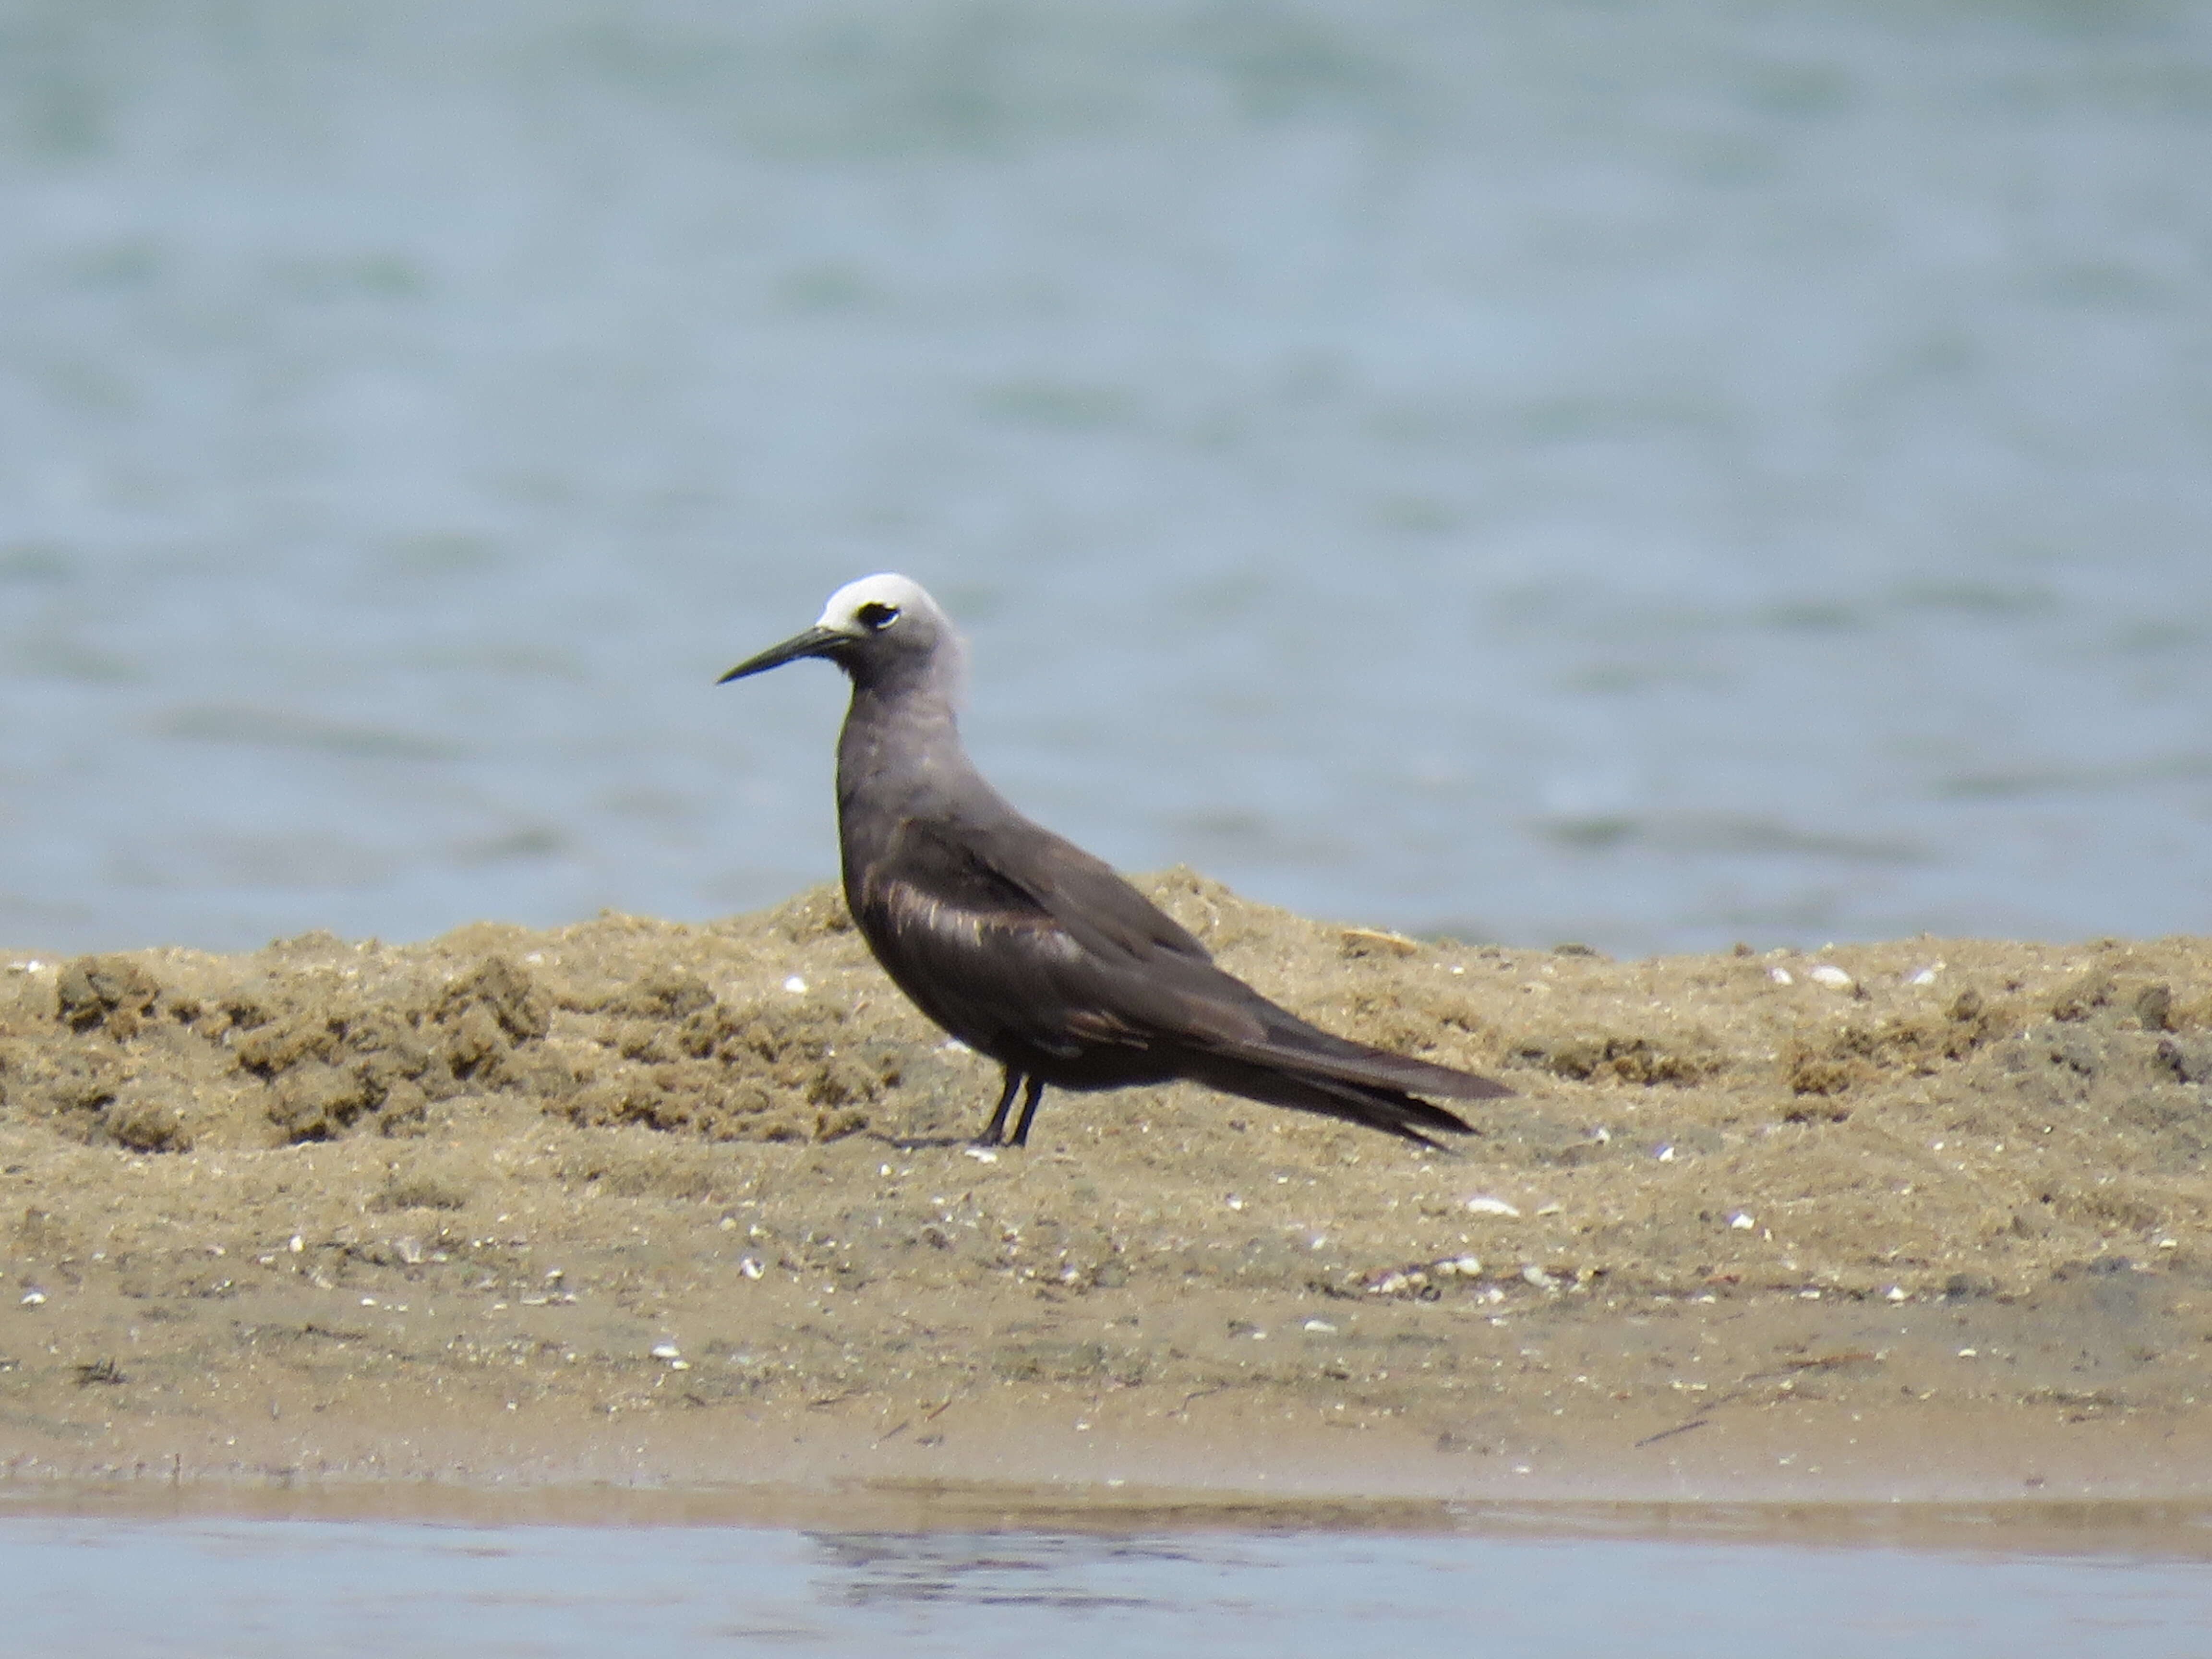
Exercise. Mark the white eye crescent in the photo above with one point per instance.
(876, 617)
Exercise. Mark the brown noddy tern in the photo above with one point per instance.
(1025, 947)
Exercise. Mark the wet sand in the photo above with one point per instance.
(641, 1205)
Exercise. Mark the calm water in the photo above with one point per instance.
(1657, 474)
(242, 1589)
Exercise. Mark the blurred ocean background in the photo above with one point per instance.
(1654, 475)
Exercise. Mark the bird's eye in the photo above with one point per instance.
(877, 617)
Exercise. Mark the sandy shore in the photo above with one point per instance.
(641, 1204)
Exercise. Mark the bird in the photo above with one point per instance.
(1029, 949)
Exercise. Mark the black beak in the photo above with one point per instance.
(814, 642)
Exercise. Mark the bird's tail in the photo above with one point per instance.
(1295, 1046)
(1375, 1105)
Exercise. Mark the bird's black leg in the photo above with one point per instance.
(992, 1135)
(1028, 1110)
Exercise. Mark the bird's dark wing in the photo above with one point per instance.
(984, 959)
(1011, 930)
(996, 934)
(1080, 893)
(1180, 994)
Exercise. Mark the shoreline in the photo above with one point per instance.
(2132, 1530)
(635, 1206)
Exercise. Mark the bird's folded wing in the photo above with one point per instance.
(984, 947)
(1180, 994)
(1009, 858)
(1009, 928)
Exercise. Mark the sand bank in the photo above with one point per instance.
(657, 1205)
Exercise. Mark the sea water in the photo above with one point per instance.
(244, 1588)
(1656, 476)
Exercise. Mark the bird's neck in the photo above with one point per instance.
(902, 744)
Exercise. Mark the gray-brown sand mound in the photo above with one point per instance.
(640, 1200)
